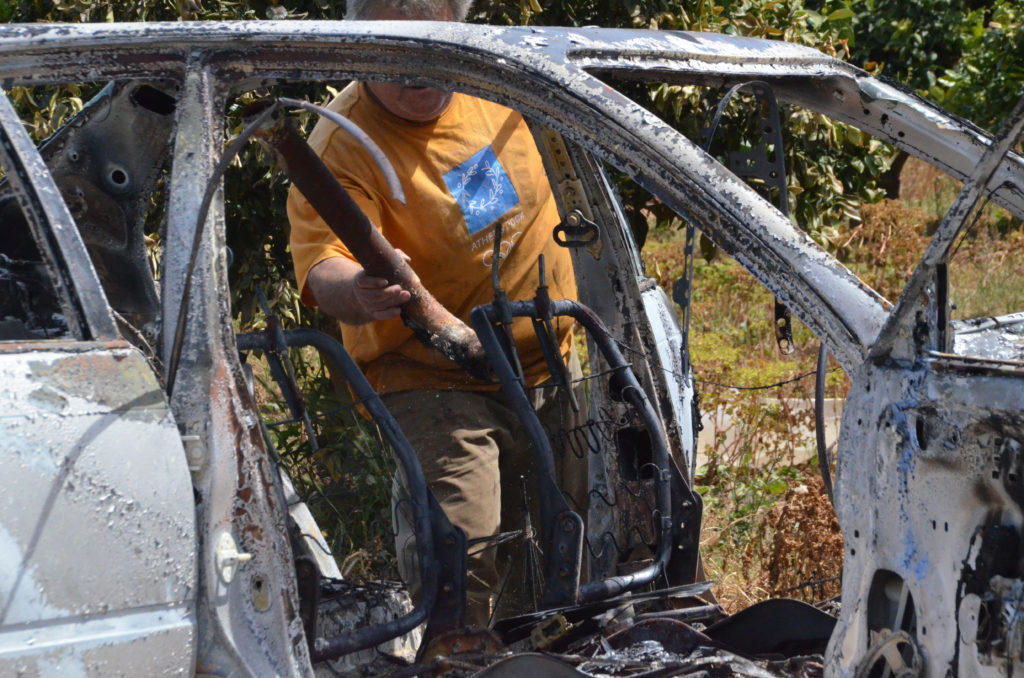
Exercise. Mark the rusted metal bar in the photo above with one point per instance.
(430, 321)
(824, 458)
(212, 186)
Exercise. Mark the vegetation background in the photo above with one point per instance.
(769, 527)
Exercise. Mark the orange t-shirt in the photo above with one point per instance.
(461, 173)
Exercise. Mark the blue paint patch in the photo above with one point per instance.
(922, 567)
(482, 189)
(913, 560)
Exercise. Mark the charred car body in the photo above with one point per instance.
(145, 527)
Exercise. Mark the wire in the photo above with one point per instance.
(212, 186)
(675, 374)
(316, 541)
(967, 231)
(574, 381)
(491, 541)
(808, 584)
(763, 386)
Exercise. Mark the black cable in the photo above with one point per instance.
(763, 386)
(675, 374)
(966, 231)
(316, 541)
(824, 463)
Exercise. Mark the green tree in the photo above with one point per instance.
(909, 42)
(966, 55)
(987, 80)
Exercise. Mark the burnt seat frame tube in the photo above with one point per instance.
(370, 636)
(626, 385)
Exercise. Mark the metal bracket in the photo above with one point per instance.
(548, 631)
(687, 513)
(576, 231)
(228, 559)
(567, 184)
(563, 529)
(450, 549)
(783, 328)
(758, 163)
(565, 539)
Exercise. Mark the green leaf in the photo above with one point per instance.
(840, 14)
(814, 18)
(776, 486)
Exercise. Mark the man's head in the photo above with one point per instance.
(415, 104)
(438, 10)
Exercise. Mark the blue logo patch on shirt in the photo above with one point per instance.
(482, 189)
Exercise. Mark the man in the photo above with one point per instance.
(465, 165)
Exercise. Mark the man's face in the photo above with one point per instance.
(415, 104)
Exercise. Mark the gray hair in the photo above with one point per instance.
(367, 9)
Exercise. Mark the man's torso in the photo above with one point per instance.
(472, 167)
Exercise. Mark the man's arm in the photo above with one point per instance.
(344, 291)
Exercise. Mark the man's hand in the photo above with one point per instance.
(376, 298)
(344, 291)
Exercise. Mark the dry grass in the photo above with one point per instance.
(801, 544)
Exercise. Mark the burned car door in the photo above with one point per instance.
(97, 530)
(611, 281)
(106, 162)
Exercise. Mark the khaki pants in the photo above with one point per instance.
(474, 450)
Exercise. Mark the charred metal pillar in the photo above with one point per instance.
(247, 609)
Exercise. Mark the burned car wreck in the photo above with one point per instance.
(145, 526)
